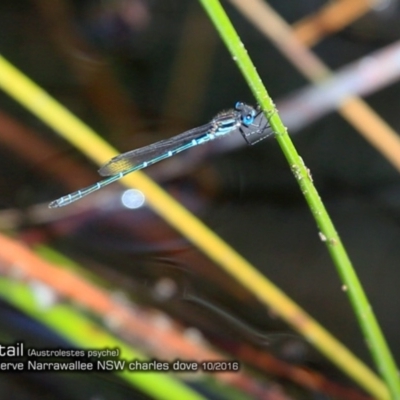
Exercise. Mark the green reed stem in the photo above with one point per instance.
(366, 318)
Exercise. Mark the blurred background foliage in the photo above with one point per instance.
(138, 71)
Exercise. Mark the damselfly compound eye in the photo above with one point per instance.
(249, 118)
(239, 105)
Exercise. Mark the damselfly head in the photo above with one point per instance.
(247, 113)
